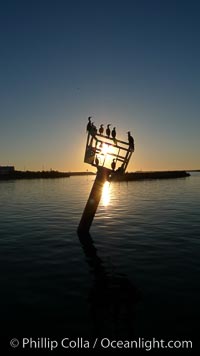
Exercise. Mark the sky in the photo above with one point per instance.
(134, 64)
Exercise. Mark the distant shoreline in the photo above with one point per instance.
(114, 177)
(148, 175)
(40, 175)
(33, 175)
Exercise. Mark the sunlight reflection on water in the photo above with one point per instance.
(105, 198)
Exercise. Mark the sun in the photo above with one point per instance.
(105, 149)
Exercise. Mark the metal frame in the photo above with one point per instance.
(122, 151)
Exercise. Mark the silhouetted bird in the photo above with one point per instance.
(101, 129)
(130, 140)
(96, 161)
(108, 130)
(114, 133)
(89, 125)
(113, 164)
(93, 129)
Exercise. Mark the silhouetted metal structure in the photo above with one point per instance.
(100, 152)
(106, 149)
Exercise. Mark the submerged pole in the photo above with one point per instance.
(93, 200)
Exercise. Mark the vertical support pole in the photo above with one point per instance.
(93, 200)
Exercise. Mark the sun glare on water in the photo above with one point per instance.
(105, 194)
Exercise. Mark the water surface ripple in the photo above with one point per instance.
(141, 263)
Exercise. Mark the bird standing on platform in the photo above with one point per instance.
(130, 140)
(108, 130)
(101, 129)
(96, 161)
(114, 134)
(93, 129)
(113, 164)
(89, 125)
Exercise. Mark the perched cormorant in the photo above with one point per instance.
(114, 133)
(130, 140)
(89, 125)
(96, 161)
(101, 129)
(113, 164)
(108, 130)
(93, 129)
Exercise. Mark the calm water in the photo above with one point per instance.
(137, 276)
